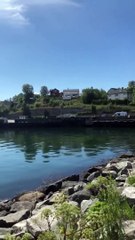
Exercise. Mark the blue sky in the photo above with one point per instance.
(66, 44)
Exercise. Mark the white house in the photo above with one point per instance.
(117, 94)
(69, 94)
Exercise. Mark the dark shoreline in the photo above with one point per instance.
(69, 122)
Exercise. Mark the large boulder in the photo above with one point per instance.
(51, 188)
(5, 205)
(129, 193)
(66, 184)
(37, 225)
(129, 227)
(80, 196)
(17, 206)
(93, 175)
(31, 196)
(12, 218)
(20, 227)
(3, 213)
(74, 177)
(109, 173)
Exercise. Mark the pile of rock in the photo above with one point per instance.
(22, 213)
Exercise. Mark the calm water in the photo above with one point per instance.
(29, 158)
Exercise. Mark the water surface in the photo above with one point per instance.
(29, 158)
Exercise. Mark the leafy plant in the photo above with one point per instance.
(48, 235)
(131, 180)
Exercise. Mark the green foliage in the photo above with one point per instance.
(26, 236)
(44, 91)
(67, 216)
(98, 183)
(93, 109)
(46, 214)
(90, 94)
(28, 92)
(9, 237)
(48, 235)
(108, 213)
(131, 180)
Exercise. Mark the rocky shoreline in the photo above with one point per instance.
(21, 214)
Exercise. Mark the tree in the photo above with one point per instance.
(44, 91)
(131, 91)
(87, 95)
(90, 95)
(28, 92)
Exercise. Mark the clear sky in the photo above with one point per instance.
(66, 44)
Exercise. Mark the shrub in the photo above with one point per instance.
(131, 180)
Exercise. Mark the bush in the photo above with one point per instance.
(131, 180)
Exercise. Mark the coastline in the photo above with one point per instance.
(17, 214)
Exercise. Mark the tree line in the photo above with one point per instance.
(27, 99)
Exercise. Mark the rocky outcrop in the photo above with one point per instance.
(13, 218)
(23, 213)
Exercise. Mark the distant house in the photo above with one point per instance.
(117, 94)
(69, 94)
(54, 92)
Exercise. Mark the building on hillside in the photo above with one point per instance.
(69, 94)
(117, 94)
(55, 92)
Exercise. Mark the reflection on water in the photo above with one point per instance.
(55, 153)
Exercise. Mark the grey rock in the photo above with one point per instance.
(121, 178)
(20, 227)
(74, 177)
(12, 218)
(68, 191)
(109, 173)
(95, 169)
(54, 187)
(17, 206)
(31, 196)
(93, 176)
(37, 225)
(123, 165)
(3, 213)
(85, 204)
(67, 184)
(80, 196)
(5, 205)
(129, 227)
(41, 204)
(79, 186)
(129, 193)
(111, 167)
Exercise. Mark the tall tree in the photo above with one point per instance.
(28, 92)
(93, 94)
(44, 91)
